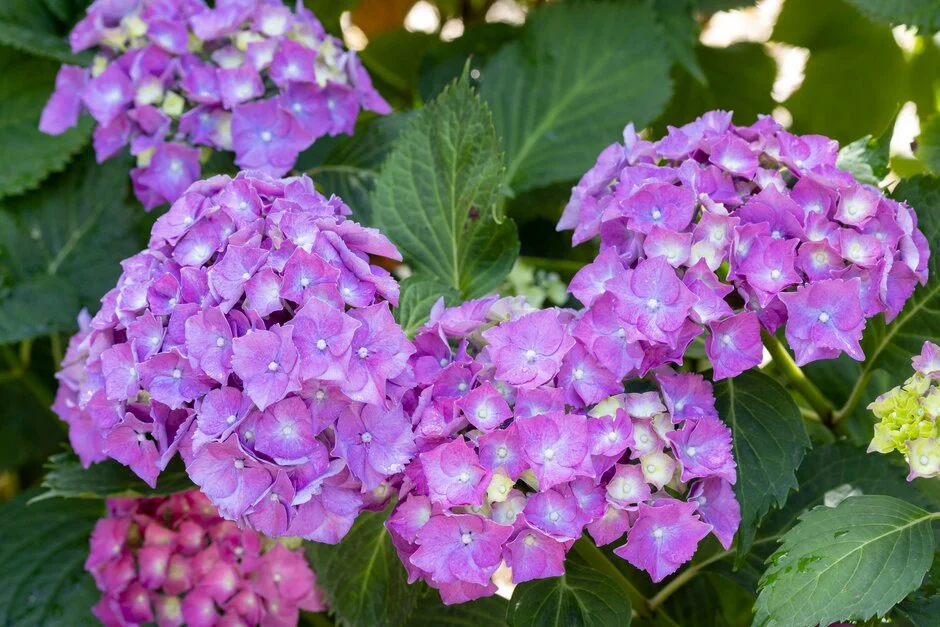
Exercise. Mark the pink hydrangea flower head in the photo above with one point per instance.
(174, 560)
(286, 403)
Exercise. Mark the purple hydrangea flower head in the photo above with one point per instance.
(285, 402)
(768, 211)
(525, 465)
(174, 559)
(160, 62)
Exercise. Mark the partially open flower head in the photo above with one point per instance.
(908, 416)
(254, 336)
(178, 79)
(173, 561)
(726, 229)
(527, 438)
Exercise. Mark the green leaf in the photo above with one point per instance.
(924, 14)
(850, 562)
(856, 75)
(922, 607)
(363, 580)
(928, 144)
(837, 469)
(566, 88)
(32, 27)
(29, 156)
(60, 247)
(65, 477)
(394, 57)
(867, 158)
(769, 443)
(43, 580)
(418, 295)
(444, 63)
(350, 168)
(680, 31)
(485, 612)
(438, 195)
(891, 346)
(739, 78)
(582, 596)
(29, 431)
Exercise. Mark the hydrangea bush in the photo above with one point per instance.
(430, 365)
(174, 561)
(178, 79)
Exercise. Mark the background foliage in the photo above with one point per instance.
(463, 179)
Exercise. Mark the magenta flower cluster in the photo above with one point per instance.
(526, 440)
(726, 229)
(174, 76)
(174, 561)
(254, 336)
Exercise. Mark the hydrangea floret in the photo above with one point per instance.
(178, 79)
(908, 417)
(726, 230)
(253, 336)
(526, 439)
(173, 561)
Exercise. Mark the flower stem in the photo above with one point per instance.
(595, 558)
(855, 397)
(689, 573)
(797, 379)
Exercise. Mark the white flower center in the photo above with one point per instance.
(266, 136)
(220, 342)
(366, 437)
(923, 459)
(177, 373)
(690, 451)
(823, 317)
(443, 362)
(612, 436)
(304, 282)
(321, 344)
(502, 452)
(530, 354)
(272, 366)
(231, 419)
(621, 332)
(462, 386)
(363, 352)
(466, 538)
(726, 339)
(657, 214)
(652, 304)
(463, 477)
(657, 533)
(554, 516)
(320, 395)
(239, 464)
(578, 374)
(549, 454)
(651, 468)
(775, 274)
(287, 430)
